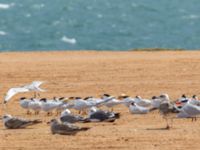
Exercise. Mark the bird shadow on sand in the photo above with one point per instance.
(17, 129)
(160, 129)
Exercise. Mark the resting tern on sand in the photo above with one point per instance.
(84, 104)
(134, 108)
(65, 128)
(112, 101)
(194, 100)
(34, 86)
(11, 122)
(96, 101)
(127, 100)
(96, 115)
(67, 116)
(142, 102)
(189, 111)
(183, 99)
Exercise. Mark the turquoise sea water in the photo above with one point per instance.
(99, 24)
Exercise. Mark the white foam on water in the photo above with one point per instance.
(38, 6)
(191, 16)
(56, 22)
(68, 40)
(2, 33)
(99, 15)
(6, 6)
(28, 15)
(134, 5)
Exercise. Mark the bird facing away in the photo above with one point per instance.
(65, 128)
(167, 110)
(11, 122)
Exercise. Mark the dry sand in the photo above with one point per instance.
(94, 73)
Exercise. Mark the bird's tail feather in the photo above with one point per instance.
(36, 121)
(86, 120)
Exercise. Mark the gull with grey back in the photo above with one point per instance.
(65, 128)
(11, 122)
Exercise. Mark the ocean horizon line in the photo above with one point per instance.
(88, 50)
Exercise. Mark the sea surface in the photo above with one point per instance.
(29, 25)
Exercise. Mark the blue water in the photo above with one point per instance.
(99, 24)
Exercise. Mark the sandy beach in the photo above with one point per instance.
(92, 73)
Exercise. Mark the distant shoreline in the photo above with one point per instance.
(132, 50)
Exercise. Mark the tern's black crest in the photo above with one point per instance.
(154, 97)
(107, 95)
(22, 98)
(183, 96)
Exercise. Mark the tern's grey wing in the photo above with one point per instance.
(64, 129)
(15, 123)
(191, 110)
(69, 118)
(74, 128)
(182, 114)
(99, 115)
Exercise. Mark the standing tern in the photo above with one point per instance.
(189, 111)
(24, 103)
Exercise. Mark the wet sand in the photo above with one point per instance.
(86, 73)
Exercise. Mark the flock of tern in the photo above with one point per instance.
(90, 109)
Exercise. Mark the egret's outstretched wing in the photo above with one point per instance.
(11, 92)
